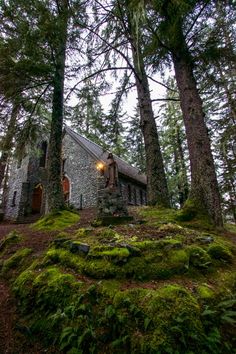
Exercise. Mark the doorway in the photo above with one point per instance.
(37, 199)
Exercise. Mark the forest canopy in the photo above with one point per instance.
(167, 69)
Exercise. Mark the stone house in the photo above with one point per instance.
(83, 163)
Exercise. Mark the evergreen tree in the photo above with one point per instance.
(175, 153)
(169, 34)
(135, 144)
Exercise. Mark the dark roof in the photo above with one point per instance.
(100, 154)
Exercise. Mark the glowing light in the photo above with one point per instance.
(100, 166)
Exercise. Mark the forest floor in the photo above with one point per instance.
(12, 341)
(13, 336)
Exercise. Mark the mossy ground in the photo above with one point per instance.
(153, 287)
(57, 221)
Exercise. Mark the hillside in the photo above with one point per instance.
(156, 285)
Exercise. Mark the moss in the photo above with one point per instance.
(53, 288)
(188, 212)
(108, 234)
(220, 252)
(108, 287)
(48, 290)
(193, 216)
(163, 320)
(231, 227)
(63, 234)
(157, 216)
(161, 244)
(100, 269)
(176, 318)
(56, 221)
(109, 252)
(96, 268)
(16, 260)
(12, 238)
(137, 268)
(170, 227)
(156, 266)
(198, 257)
(145, 245)
(65, 258)
(83, 232)
(204, 292)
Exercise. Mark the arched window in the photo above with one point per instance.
(13, 202)
(43, 152)
(66, 189)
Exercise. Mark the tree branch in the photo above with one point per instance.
(92, 75)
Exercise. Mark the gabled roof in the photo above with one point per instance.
(100, 154)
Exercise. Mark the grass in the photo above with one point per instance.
(56, 221)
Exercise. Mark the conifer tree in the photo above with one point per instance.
(169, 35)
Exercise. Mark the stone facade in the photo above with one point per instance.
(27, 183)
(80, 169)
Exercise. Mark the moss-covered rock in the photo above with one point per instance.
(204, 292)
(108, 252)
(56, 221)
(15, 260)
(64, 258)
(83, 232)
(220, 252)
(48, 290)
(198, 257)
(100, 269)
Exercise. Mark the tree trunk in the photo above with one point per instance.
(180, 167)
(204, 188)
(157, 191)
(7, 142)
(184, 179)
(54, 189)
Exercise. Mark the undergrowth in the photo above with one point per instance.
(130, 293)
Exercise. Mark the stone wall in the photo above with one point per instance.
(18, 176)
(22, 181)
(80, 168)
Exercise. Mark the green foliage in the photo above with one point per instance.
(16, 260)
(56, 221)
(12, 238)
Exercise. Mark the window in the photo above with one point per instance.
(63, 166)
(135, 197)
(42, 161)
(129, 194)
(13, 203)
(141, 196)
